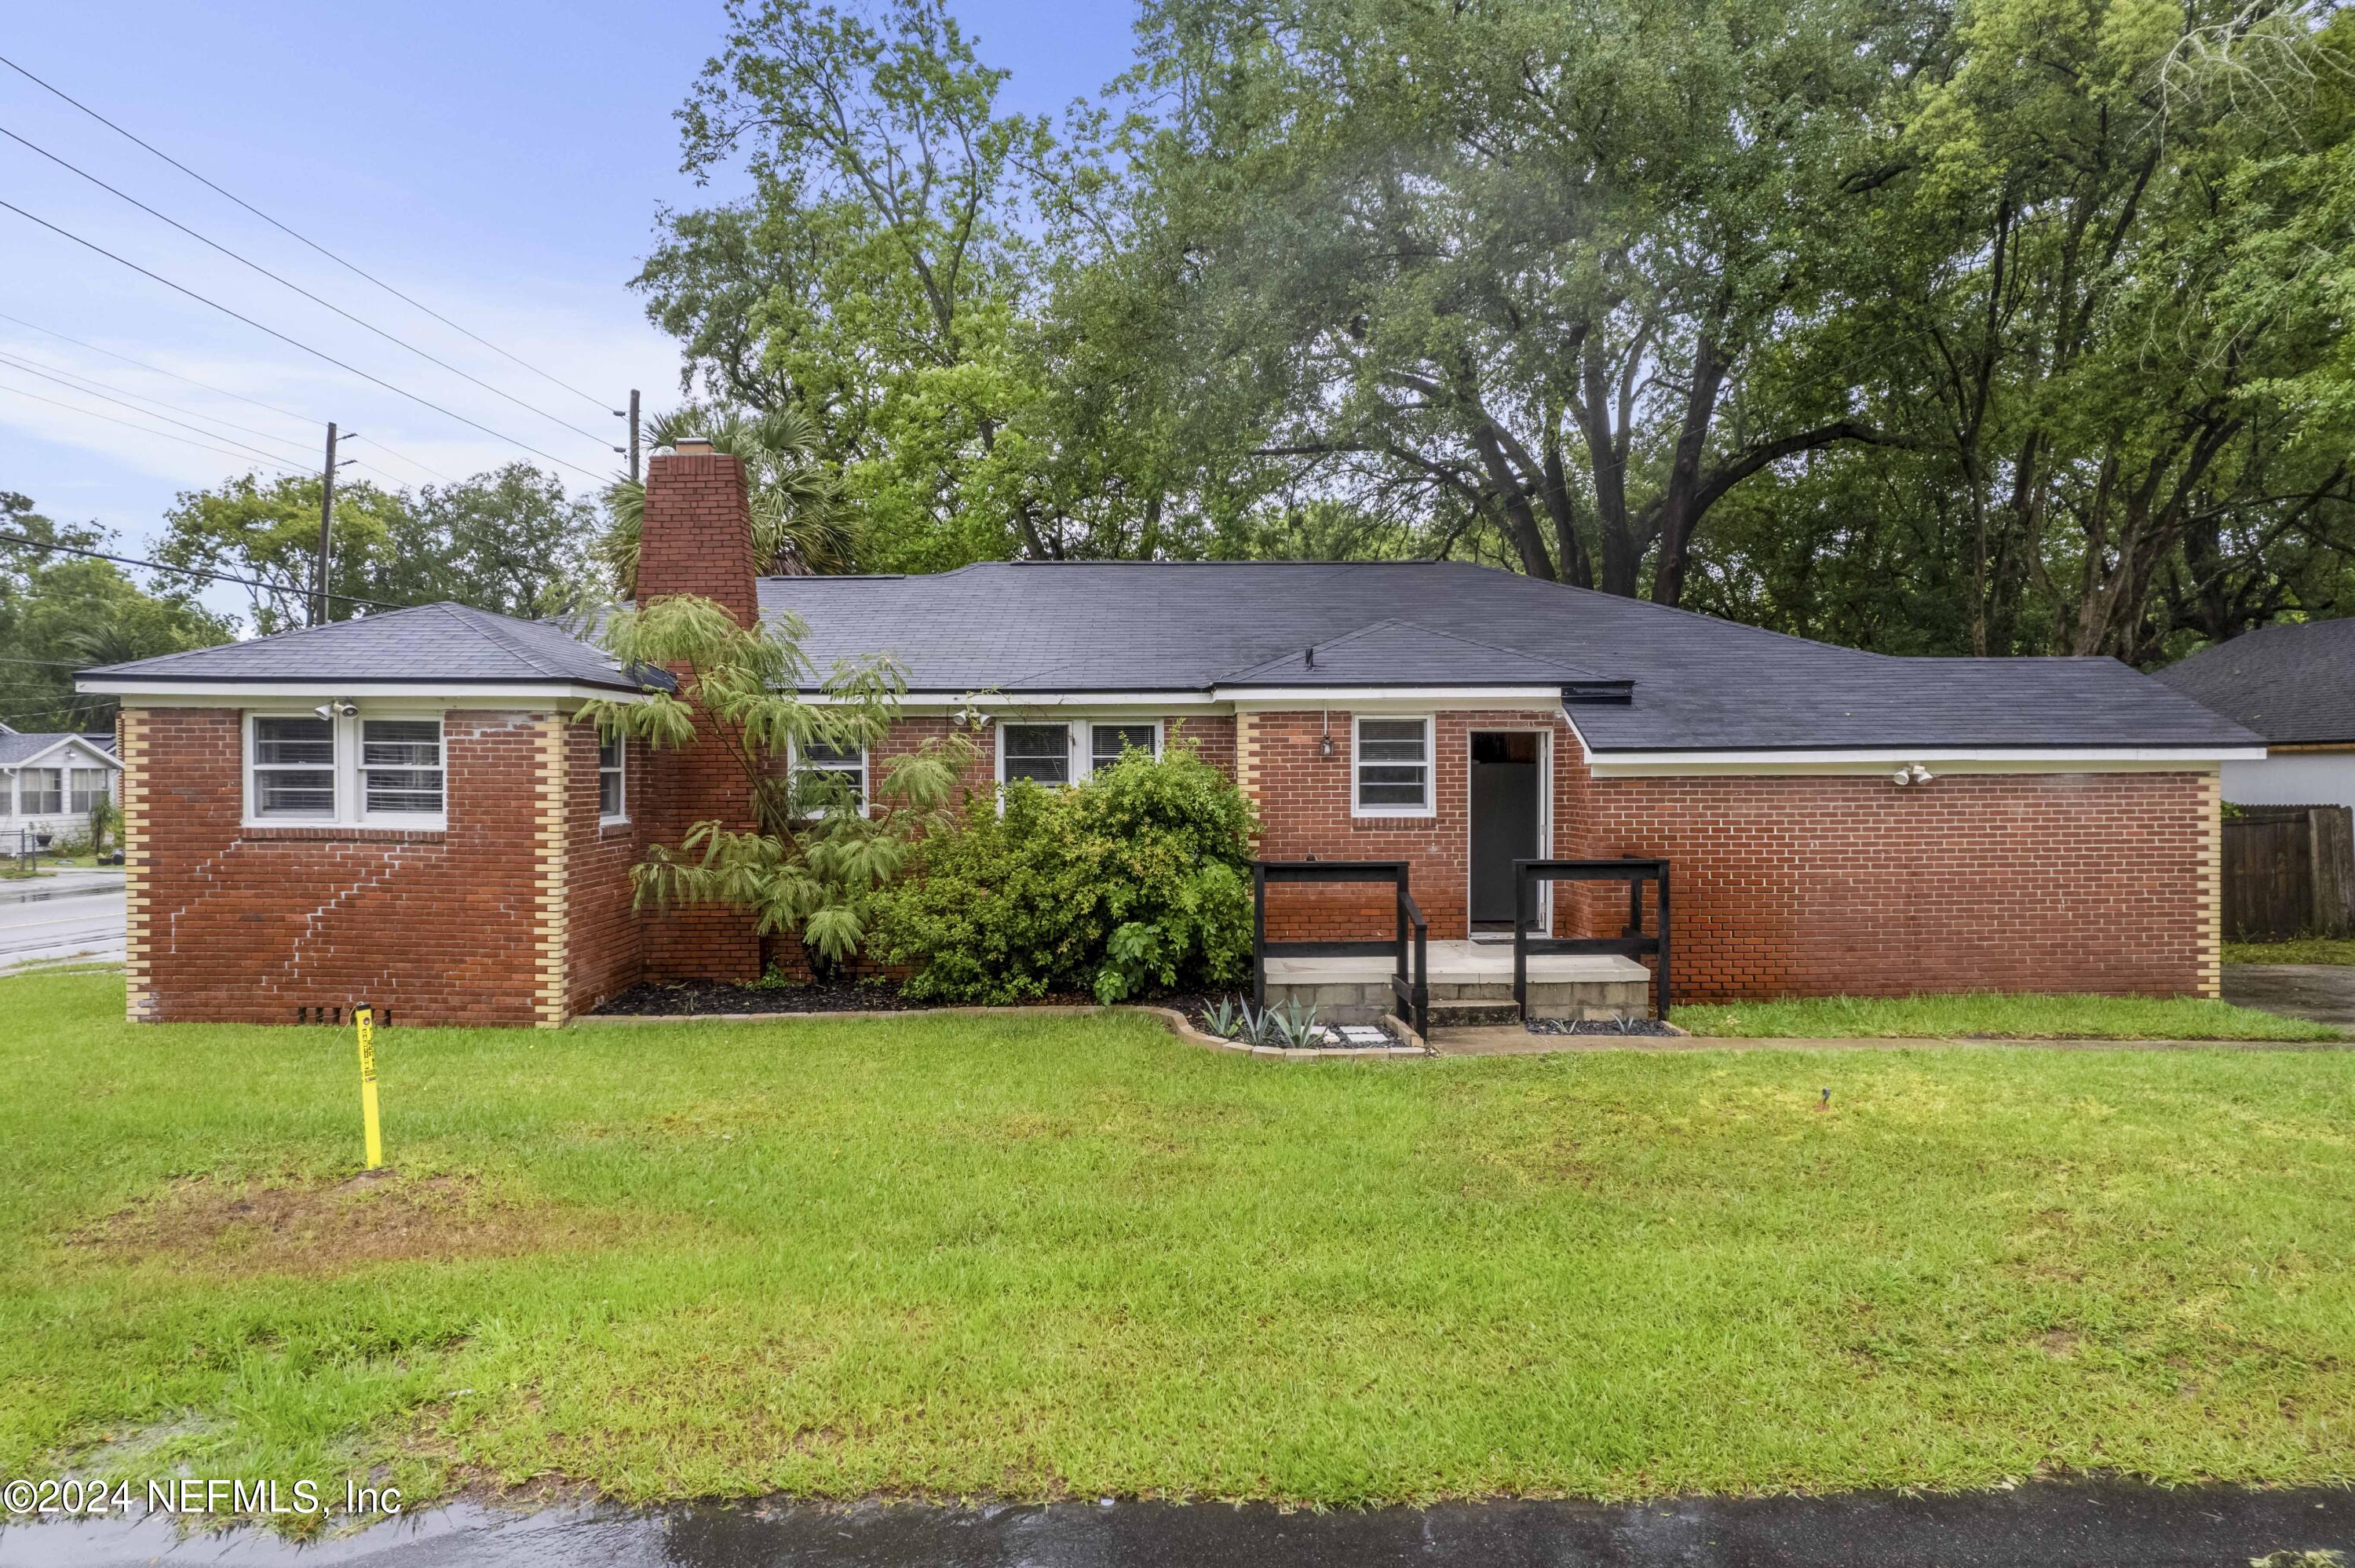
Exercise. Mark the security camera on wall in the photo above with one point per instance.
(336, 710)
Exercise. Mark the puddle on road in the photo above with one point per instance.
(2037, 1526)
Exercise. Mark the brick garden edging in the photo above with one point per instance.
(1176, 1021)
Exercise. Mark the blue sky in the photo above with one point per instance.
(501, 162)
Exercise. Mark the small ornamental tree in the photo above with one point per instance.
(814, 854)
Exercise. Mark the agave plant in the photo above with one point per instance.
(801, 525)
(1223, 1020)
(1259, 1026)
(1296, 1025)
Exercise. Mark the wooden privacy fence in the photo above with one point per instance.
(2289, 871)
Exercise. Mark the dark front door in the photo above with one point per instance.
(1506, 813)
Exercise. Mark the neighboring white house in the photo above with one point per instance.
(2295, 686)
(47, 782)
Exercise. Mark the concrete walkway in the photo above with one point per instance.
(1512, 1040)
(2323, 992)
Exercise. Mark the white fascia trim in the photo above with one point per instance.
(1236, 699)
(226, 695)
(1422, 699)
(1985, 759)
(1016, 702)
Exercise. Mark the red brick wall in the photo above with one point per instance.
(2067, 881)
(697, 538)
(696, 533)
(235, 924)
(604, 935)
(1304, 805)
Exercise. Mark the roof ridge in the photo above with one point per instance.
(497, 636)
(1499, 648)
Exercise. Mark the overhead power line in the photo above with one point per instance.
(278, 464)
(206, 573)
(289, 284)
(297, 343)
(95, 388)
(293, 234)
(99, 389)
(222, 391)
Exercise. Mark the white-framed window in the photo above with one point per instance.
(1391, 767)
(613, 778)
(400, 767)
(1064, 751)
(293, 758)
(1108, 741)
(848, 763)
(40, 792)
(87, 788)
(1039, 752)
(367, 769)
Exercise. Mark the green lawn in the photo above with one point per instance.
(1996, 1015)
(1027, 1257)
(2303, 950)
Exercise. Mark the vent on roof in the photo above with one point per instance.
(1598, 693)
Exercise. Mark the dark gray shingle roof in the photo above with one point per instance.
(433, 644)
(2294, 684)
(1401, 652)
(1700, 683)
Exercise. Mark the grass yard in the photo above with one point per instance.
(1996, 1015)
(2302, 950)
(1029, 1257)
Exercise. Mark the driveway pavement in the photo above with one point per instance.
(2034, 1526)
(68, 914)
(2323, 992)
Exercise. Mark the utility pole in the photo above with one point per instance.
(326, 542)
(634, 435)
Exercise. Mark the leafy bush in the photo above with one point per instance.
(1137, 879)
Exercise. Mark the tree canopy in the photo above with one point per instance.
(61, 613)
(510, 540)
(1929, 325)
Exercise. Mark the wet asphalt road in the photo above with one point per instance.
(2032, 1527)
(2323, 992)
(68, 914)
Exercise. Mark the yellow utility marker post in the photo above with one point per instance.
(365, 1017)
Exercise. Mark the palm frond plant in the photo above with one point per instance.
(801, 524)
(810, 859)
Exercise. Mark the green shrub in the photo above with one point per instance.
(1138, 879)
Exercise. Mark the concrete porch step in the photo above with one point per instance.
(1356, 989)
(1461, 1014)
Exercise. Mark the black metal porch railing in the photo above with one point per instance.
(1631, 941)
(1410, 982)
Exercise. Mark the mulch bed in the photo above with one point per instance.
(693, 998)
(1597, 1026)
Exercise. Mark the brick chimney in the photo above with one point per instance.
(697, 535)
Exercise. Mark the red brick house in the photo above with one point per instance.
(401, 808)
